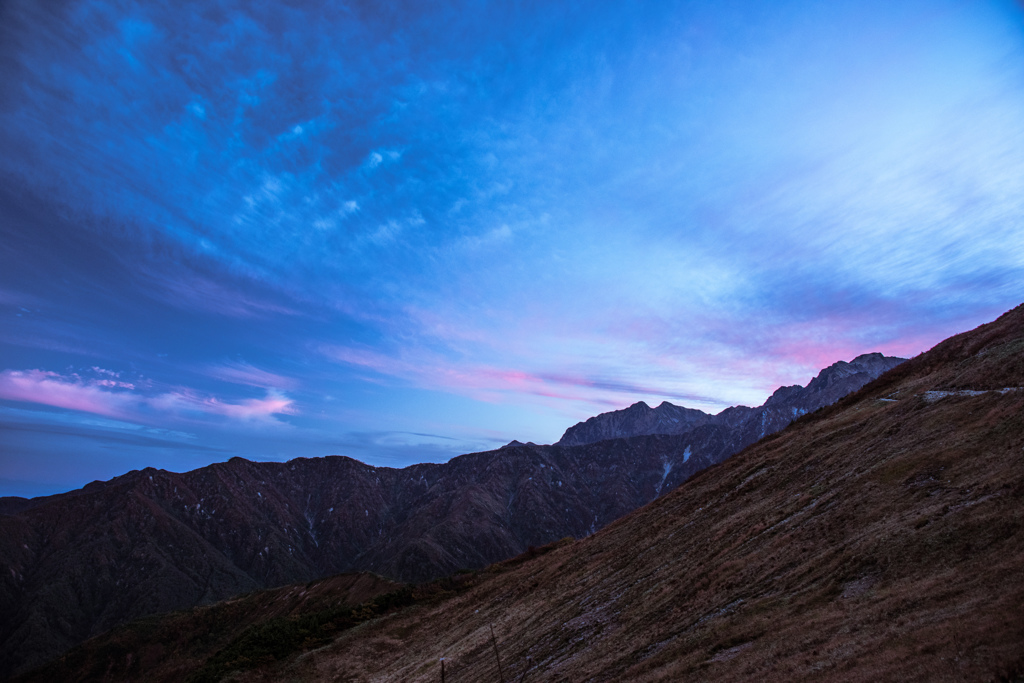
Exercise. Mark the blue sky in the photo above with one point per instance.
(404, 231)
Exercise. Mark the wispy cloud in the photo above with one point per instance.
(104, 436)
(16, 299)
(247, 410)
(53, 389)
(119, 400)
(193, 291)
(240, 372)
(629, 388)
(432, 370)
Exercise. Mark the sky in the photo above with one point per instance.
(401, 231)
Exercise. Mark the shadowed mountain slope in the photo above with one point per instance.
(152, 541)
(174, 646)
(76, 564)
(881, 538)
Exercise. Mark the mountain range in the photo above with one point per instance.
(76, 564)
(878, 539)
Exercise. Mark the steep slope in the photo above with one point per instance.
(747, 424)
(879, 539)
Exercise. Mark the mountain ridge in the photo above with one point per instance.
(160, 541)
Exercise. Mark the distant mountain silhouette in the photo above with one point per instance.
(747, 424)
(76, 564)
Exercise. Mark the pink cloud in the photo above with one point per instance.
(253, 408)
(116, 399)
(482, 382)
(52, 389)
(114, 384)
(739, 364)
(187, 401)
(700, 359)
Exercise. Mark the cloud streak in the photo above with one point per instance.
(495, 384)
(240, 372)
(118, 400)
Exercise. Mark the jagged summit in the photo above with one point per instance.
(635, 420)
(782, 407)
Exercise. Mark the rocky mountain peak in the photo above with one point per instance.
(782, 407)
(515, 443)
(857, 372)
(783, 394)
(636, 420)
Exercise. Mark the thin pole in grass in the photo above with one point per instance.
(442, 669)
(494, 642)
(529, 660)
